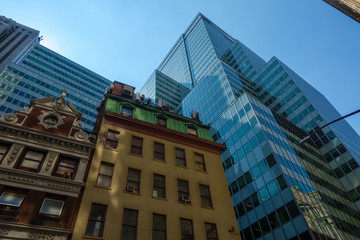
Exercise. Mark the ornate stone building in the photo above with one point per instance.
(44, 156)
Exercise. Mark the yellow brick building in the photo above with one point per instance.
(154, 175)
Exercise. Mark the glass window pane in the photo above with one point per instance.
(104, 181)
(52, 207)
(30, 164)
(34, 155)
(130, 217)
(106, 169)
(12, 199)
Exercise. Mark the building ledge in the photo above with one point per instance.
(27, 231)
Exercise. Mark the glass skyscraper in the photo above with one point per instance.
(40, 72)
(260, 111)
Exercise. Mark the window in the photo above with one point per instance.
(96, 222)
(105, 174)
(205, 196)
(129, 226)
(52, 207)
(183, 191)
(3, 149)
(186, 226)
(66, 168)
(11, 199)
(31, 160)
(112, 139)
(200, 162)
(159, 227)
(159, 186)
(192, 131)
(161, 121)
(211, 231)
(126, 111)
(133, 180)
(180, 157)
(159, 151)
(136, 145)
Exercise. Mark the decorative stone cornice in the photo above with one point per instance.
(30, 180)
(26, 231)
(79, 144)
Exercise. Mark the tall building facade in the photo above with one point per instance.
(15, 41)
(154, 175)
(40, 72)
(44, 155)
(348, 7)
(260, 110)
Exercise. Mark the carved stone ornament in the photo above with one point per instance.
(25, 110)
(51, 119)
(43, 236)
(9, 118)
(102, 137)
(81, 136)
(4, 231)
(51, 156)
(77, 123)
(14, 153)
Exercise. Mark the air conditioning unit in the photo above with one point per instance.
(185, 198)
(155, 194)
(130, 188)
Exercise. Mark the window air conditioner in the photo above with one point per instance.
(130, 188)
(185, 198)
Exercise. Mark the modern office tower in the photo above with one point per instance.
(161, 87)
(252, 106)
(34, 71)
(348, 7)
(154, 175)
(15, 41)
(43, 73)
(44, 154)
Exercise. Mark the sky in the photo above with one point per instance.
(126, 40)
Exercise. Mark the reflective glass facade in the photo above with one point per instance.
(43, 73)
(260, 111)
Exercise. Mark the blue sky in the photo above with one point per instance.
(126, 40)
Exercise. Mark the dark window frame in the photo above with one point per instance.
(186, 235)
(180, 192)
(64, 159)
(179, 160)
(9, 145)
(137, 183)
(158, 186)
(112, 139)
(22, 158)
(205, 197)
(101, 174)
(216, 232)
(159, 154)
(200, 165)
(154, 229)
(124, 113)
(96, 220)
(129, 225)
(136, 148)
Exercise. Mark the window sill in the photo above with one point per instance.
(183, 203)
(92, 237)
(198, 170)
(158, 160)
(111, 149)
(137, 155)
(132, 193)
(210, 208)
(159, 198)
(106, 188)
(182, 166)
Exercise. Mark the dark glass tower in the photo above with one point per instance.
(260, 110)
